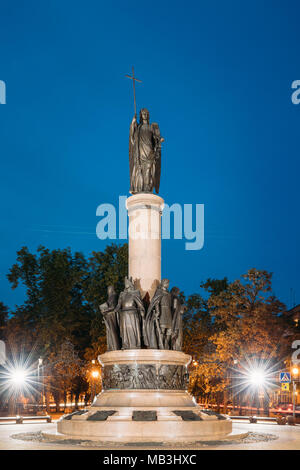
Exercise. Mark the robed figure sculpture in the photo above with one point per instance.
(158, 322)
(110, 318)
(177, 312)
(144, 154)
(131, 312)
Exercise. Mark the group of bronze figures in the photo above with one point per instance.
(129, 325)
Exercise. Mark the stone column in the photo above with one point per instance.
(144, 234)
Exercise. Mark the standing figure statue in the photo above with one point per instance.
(158, 322)
(177, 327)
(144, 154)
(111, 320)
(131, 312)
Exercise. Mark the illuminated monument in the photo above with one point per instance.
(144, 395)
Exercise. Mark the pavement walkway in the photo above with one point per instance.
(262, 437)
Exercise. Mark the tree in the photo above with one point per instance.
(3, 319)
(215, 286)
(196, 325)
(242, 321)
(63, 293)
(55, 307)
(105, 268)
(198, 321)
(67, 374)
(247, 318)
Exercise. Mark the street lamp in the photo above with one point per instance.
(257, 377)
(95, 375)
(18, 379)
(40, 364)
(295, 372)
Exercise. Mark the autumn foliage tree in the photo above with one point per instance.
(245, 322)
(226, 324)
(63, 293)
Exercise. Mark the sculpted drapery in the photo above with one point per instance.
(129, 327)
(144, 154)
(131, 311)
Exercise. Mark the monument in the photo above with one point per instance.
(144, 395)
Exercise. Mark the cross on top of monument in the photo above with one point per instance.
(133, 82)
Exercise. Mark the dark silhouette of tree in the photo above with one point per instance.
(63, 293)
(3, 319)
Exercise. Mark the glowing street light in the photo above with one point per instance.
(18, 377)
(95, 374)
(254, 377)
(17, 380)
(257, 377)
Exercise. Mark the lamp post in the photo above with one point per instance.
(257, 379)
(95, 375)
(295, 372)
(40, 363)
(17, 378)
(235, 397)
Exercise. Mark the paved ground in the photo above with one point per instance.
(262, 436)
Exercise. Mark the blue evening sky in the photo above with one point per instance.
(217, 78)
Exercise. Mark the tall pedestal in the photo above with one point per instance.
(145, 399)
(144, 211)
(144, 394)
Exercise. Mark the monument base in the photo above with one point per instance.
(144, 399)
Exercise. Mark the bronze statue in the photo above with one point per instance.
(144, 154)
(131, 312)
(158, 323)
(111, 320)
(177, 312)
